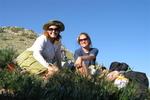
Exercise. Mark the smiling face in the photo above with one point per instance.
(84, 41)
(53, 31)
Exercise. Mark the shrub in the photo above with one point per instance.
(19, 87)
(65, 85)
(5, 38)
(21, 39)
(16, 29)
(7, 55)
(1, 30)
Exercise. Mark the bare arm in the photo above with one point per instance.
(80, 59)
(88, 57)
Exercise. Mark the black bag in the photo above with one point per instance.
(117, 66)
(69, 64)
(141, 81)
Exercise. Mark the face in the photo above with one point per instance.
(83, 40)
(53, 31)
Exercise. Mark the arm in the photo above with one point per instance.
(80, 58)
(87, 57)
(37, 49)
(77, 59)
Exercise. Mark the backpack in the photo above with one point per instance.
(141, 80)
(69, 64)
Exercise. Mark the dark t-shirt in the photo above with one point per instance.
(80, 52)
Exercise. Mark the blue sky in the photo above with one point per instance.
(120, 29)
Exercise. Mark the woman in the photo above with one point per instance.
(85, 56)
(45, 54)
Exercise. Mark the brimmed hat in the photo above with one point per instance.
(54, 22)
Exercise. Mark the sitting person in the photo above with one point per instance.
(85, 56)
(44, 56)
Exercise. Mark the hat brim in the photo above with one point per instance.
(54, 22)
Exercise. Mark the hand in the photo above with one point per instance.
(78, 62)
(52, 69)
(83, 70)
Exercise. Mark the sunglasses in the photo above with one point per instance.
(54, 29)
(85, 39)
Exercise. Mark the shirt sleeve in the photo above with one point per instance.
(77, 53)
(37, 49)
(94, 52)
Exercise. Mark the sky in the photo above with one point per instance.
(120, 29)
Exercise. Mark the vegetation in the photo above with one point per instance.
(16, 37)
(20, 39)
(7, 55)
(65, 85)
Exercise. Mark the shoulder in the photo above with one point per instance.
(43, 37)
(78, 50)
(94, 49)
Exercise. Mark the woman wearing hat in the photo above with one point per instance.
(85, 56)
(44, 56)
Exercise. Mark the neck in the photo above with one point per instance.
(86, 49)
(52, 40)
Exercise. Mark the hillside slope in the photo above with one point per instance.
(20, 39)
(17, 38)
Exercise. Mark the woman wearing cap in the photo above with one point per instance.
(45, 54)
(85, 56)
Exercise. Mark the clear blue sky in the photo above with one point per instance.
(120, 29)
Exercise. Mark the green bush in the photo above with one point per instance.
(19, 87)
(66, 85)
(16, 29)
(1, 30)
(7, 55)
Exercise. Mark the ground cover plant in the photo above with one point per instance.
(65, 85)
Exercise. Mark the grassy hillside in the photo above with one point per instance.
(17, 38)
(20, 39)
